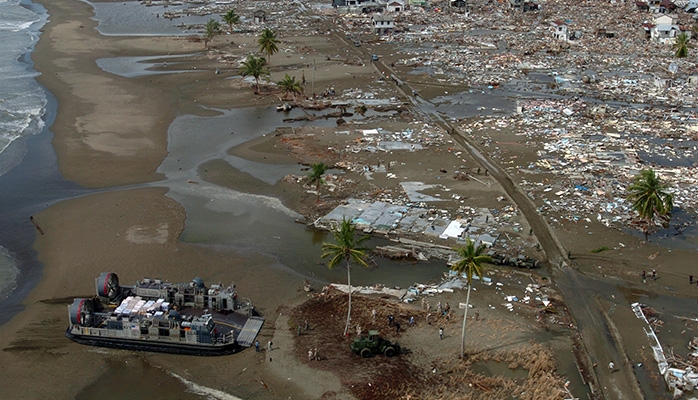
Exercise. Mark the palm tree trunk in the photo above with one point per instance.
(346, 328)
(465, 318)
(647, 230)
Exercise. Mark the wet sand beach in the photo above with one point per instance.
(109, 131)
(139, 219)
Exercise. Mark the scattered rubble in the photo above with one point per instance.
(589, 162)
(680, 375)
(636, 113)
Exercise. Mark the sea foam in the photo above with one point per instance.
(22, 99)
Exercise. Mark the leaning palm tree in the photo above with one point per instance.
(290, 85)
(268, 44)
(650, 199)
(231, 19)
(255, 67)
(211, 29)
(681, 45)
(347, 248)
(470, 263)
(317, 170)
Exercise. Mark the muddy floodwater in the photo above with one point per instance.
(253, 223)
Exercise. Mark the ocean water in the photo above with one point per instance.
(22, 100)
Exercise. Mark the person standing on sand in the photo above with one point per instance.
(310, 355)
(690, 279)
(644, 276)
(256, 345)
(654, 274)
(441, 333)
(269, 344)
(611, 366)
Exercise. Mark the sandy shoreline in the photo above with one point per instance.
(111, 131)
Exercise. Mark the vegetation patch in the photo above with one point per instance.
(402, 376)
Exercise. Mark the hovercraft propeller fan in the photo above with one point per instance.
(108, 286)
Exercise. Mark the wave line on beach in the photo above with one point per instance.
(203, 390)
(8, 273)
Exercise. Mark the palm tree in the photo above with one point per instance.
(471, 263)
(231, 19)
(315, 176)
(290, 85)
(650, 199)
(347, 247)
(681, 45)
(254, 66)
(211, 29)
(268, 43)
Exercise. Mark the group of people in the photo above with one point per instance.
(269, 345)
(654, 276)
(313, 354)
(441, 309)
